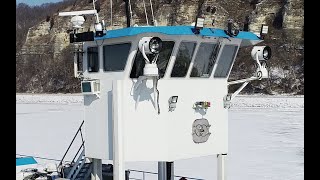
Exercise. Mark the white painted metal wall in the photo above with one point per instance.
(168, 136)
(148, 136)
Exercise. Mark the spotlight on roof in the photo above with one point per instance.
(199, 25)
(262, 53)
(150, 45)
(263, 31)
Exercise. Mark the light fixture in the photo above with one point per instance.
(261, 52)
(172, 103)
(199, 24)
(264, 30)
(155, 45)
(150, 45)
(99, 29)
(173, 99)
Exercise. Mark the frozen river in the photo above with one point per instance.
(266, 136)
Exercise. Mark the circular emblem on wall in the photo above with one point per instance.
(200, 130)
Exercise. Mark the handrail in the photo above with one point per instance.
(148, 172)
(79, 130)
(82, 145)
(74, 168)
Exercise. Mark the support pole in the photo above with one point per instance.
(222, 167)
(96, 173)
(165, 170)
(118, 158)
(170, 170)
(161, 170)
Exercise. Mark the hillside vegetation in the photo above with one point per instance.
(44, 55)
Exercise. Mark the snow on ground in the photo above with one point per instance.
(266, 138)
(241, 101)
(49, 98)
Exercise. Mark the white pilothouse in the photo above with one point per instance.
(155, 93)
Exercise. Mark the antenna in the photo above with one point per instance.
(127, 12)
(96, 14)
(145, 12)
(78, 13)
(78, 19)
(130, 12)
(111, 24)
(152, 13)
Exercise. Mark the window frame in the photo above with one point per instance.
(116, 43)
(218, 60)
(191, 61)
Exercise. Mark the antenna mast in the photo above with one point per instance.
(96, 14)
(154, 23)
(111, 14)
(130, 11)
(145, 12)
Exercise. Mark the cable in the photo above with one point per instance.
(158, 95)
(152, 13)
(130, 12)
(111, 14)
(145, 12)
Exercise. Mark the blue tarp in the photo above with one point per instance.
(25, 161)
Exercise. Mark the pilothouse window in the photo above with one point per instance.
(204, 61)
(162, 62)
(115, 56)
(225, 61)
(93, 59)
(183, 59)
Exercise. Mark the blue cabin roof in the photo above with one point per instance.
(174, 30)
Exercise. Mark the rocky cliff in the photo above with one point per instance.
(284, 17)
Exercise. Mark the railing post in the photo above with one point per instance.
(222, 167)
(118, 156)
(165, 170)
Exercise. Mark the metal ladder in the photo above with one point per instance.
(78, 169)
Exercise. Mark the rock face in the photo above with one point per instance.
(284, 17)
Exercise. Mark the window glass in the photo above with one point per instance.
(183, 59)
(93, 59)
(162, 62)
(225, 61)
(115, 56)
(204, 61)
